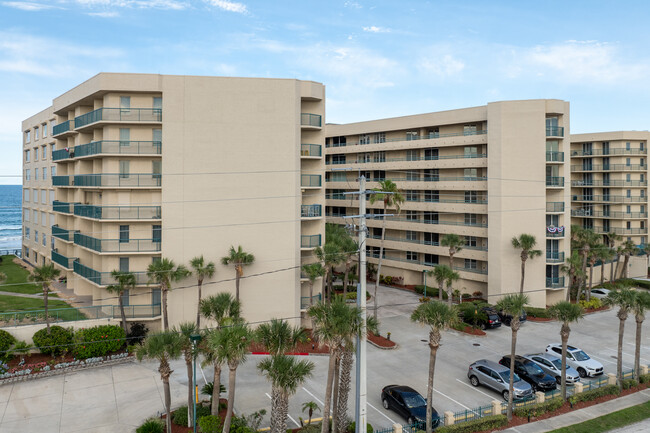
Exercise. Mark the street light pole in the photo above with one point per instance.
(195, 338)
(361, 397)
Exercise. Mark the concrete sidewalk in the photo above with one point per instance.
(582, 415)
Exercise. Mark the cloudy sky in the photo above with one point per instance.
(377, 58)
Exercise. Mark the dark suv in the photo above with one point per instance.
(507, 318)
(409, 403)
(487, 317)
(531, 373)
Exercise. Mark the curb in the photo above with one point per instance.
(41, 374)
(396, 346)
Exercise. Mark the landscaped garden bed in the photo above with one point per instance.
(380, 341)
(309, 347)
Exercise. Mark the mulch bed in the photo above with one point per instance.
(182, 429)
(539, 319)
(381, 341)
(36, 361)
(471, 331)
(310, 346)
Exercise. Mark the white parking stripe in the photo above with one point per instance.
(475, 389)
(317, 399)
(290, 417)
(382, 413)
(458, 403)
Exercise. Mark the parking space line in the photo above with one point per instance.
(458, 403)
(317, 399)
(626, 354)
(475, 389)
(382, 413)
(290, 417)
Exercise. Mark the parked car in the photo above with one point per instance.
(600, 293)
(408, 403)
(507, 318)
(531, 373)
(552, 365)
(576, 358)
(497, 377)
(487, 320)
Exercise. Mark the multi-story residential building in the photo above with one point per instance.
(487, 173)
(38, 194)
(609, 183)
(152, 166)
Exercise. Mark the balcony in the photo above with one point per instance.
(144, 180)
(608, 183)
(425, 242)
(483, 201)
(555, 131)
(554, 282)
(310, 180)
(609, 167)
(117, 212)
(608, 199)
(379, 160)
(418, 220)
(311, 150)
(554, 181)
(310, 241)
(306, 302)
(555, 207)
(424, 179)
(60, 233)
(311, 211)
(554, 256)
(62, 260)
(554, 156)
(62, 128)
(60, 180)
(60, 154)
(127, 115)
(432, 135)
(117, 245)
(590, 213)
(606, 152)
(555, 232)
(105, 278)
(311, 120)
(621, 230)
(61, 206)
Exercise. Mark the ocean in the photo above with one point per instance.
(10, 217)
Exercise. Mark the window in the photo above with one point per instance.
(641, 145)
(28, 136)
(43, 196)
(44, 152)
(337, 141)
(627, 162)
(412, 256)
(27, 230)
(378, 175)
(431, 154)
(26, 195)
(379, 156)
(156, 233)
(430, 217)
(628, 177)
(35, 133)
(628, 208)
(471, 264)
(642, 162)
(627, 146)
(338, 159)
(43, 219)
(44, 130)
(431, 239)
(125, 297)
(628, 193)
(411, 215)
(125, 136)
(124, 264)
(629, 225)
(36, 154)
(52, 219)
(380, 137)
(412, 175)
(431, 259)
(51, 197)
(36, 236)
(157, 103)
(364, 139)
(471, 196)
(26, 214)
(413, 155)
(155, 296)
(44, 240)
(412, 195)
(124, 234)
(52, 148)
(470, 151)
(125, 102)
(411, 235)
(431, 175)
(470, 241)
(338, 211)
(432, 196)
(411, 135)
(53, 170)
(157, 137)
(470, 173)
(470, 219)
(124, 169)
(156, 169)
(26, 252)
(469, 129)
(44, 173)
(338, 176)
(642, 193)
(36, 174)
(27, 154)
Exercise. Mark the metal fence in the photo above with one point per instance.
(472, 414)
(31, 317)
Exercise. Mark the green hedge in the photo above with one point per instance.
(98, 340)
(209, 423)
(595, 393)
(542, 313)
(6, 341)
(57, 342)
(629, 383)
(592, 304)
(352, 427)
(152, 425)
(540, 408)
(486, 423)
(644, 378)
(431, 291)
(179, 416)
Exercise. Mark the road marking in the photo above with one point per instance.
(290, 417)
(317, 399)
(458, 403)
(475, 389)
(626, 354)
(603, 360)
(382, 413)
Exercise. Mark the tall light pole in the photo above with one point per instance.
(195, 338)
(361, 394)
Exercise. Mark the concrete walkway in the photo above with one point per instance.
(28, 295)
(585, 414)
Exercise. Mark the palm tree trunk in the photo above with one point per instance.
(619, 352)
(335, 397)
(198, 306)
(344, 390)
(164, 304)
(45, 299)
(602, 273)
(311, 293)
(328, 393)
(236, 285)
(432, 368)
(232, 376)
(637, 348)
(611, 269)
(216, 389)
(441, 288)
(120, 301)
(381, 255)
(190, 387)
(168, 403)
(514, 326)
(564, 333)
(346, 278)
(449, 299)
(277, 417)
(591, 280)
(626, 262)
(570, 286)
(324, 288)
(523, 275)
(584, 272)
(618, 262)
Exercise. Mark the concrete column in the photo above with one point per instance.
(539, 397)
(397, 428)
(611, 379)
(578, 388)
(643, 369)
(496, 407)
(449, 418)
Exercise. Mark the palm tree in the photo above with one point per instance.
(162, 347)
(586, 239)
(641, 304)
(512, 305)
(45, 275)
(311, 407)
(526, 243)
(123, 281)
(349, 248)
(605, 254)
(573, 268)
(619, 253)
(452, 277)
(237, 257)
(279, 337)
(623, 298)
(437, 316)
(455, 244)
(595, 252)
(202, 270)
(391, 196)
(313, 271)
(164, 272)
(629, 248)
(329, 255)
(186, 331)
(567, 313)
(441, 274)
(234, 345)
(610, 239)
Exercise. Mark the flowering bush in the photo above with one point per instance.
(98, 341)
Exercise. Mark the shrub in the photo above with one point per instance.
(629, 383)
(6, 340)
(539, 409)
(98, 340)
(592, 304)
(466, 296)
(137, 333)
(485, 423)
(477, 294)
(352, 428)
(431, 291)
(209, 423)
(179, 416)
(644, 378)
(471, 313)
(595, 393)
(537, 312)
(152, 425)
(59, 340)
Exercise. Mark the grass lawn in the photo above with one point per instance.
(611, 421)
(16, 274)
(11, 304)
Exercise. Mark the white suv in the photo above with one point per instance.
(577, 359)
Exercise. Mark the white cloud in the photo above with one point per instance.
(229, 6)
(442, 66)
(352, 5)
(375, 29)
(139, 4)
(112, 14)
(27, 6)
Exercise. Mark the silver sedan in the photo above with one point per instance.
(552, 365)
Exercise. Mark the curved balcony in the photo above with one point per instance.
(554, 256)
(311, 211)
(555, 207)
(310, 180)
(311, 151)
(60, 233)
(554, 182)
(555, 131)
(555, 232)
(63, 261)
(125, 115)
(554, 282)
(555, 157)
(61, 206)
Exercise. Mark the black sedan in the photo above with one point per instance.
(409, 403)
(531, 373)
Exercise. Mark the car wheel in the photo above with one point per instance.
(558, 379)
(505, 395)
(411, 421)
(474, 381)
(582, 372)
(385, 403)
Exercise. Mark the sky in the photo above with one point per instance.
(377, 58)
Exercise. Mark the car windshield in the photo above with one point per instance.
(557, 363)
(580, 356)
(533, 369)
(506, 377)
(414, 400)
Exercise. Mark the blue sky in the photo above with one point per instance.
(377, 58)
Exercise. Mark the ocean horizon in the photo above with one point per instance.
(11, 234)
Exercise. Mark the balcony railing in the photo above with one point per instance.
(555, 206)
(555, 256)
(609, 199)
(418, 220)
(310, 180)
(607, 183)
(119, 115)
(306, 302)
(117, 245)
(555, 181)
(117, 212)
(62, 127)
(411, 159)
(432, 135)
(425, 263)
(308, 119)
(339, 196)
(61, 206)
(621, 230)
(554, 156)
(554, 282)
(423, 179)
(425, 242)
(58, 155)
(60, 233)
(105, 278)
(311, 150)
(555, 131)
(608, 167)
(310, 241)
(131, 180)
(605, 152)
(61, 180)
(555, 232)
(311, 211)
(62, 260)
(590, 213)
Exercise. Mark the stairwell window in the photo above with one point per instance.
(124, 169)
(124, 234)
(125, 137)
(156, 233)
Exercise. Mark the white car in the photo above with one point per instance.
(600, 293)
(577, 359)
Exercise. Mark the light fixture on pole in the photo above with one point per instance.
(195, 338)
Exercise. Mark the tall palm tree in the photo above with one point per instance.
(390, 196)
(526, 243)
(237, 257)
(641, 304)
(619, 254)
(586, 239)
(313, 271)
(623, 297)
(629, 248)
(605, 254)
(441, 274)
(437, 316)
(186, 330)
(279, 337)
(164, 272)
(573, 267)
(163, 347)
(234, 342)
(565, 312)
(512, 305)
(455, 243)
(123, 281)
(595, 252)
(349, 248)
(202, 270)
(329, 255)
(610, 239)
(45, 275)
(452, 277)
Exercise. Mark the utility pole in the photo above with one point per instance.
(361, 394)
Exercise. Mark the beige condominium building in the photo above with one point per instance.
(152, 166)
(487, 173)
(38, 194)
